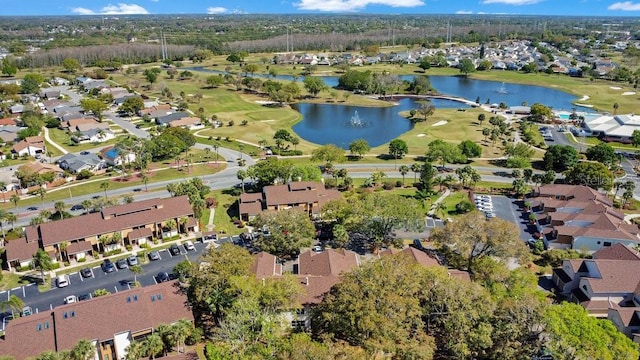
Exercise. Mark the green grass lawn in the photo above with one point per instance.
(92, 187)
(63, 139)
(451, 201)
(11, 280)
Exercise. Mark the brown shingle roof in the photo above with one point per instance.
(115, 218)
(315, 288)
(78, 247)
(577, 192)
(266, 265)
(617, 252)
(20, 249)
(99, 318)
(104, 316)
(29, 336)
(328, 262)
(616, 276)
(414, 254)
(140, 233)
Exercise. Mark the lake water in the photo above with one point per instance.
(331, 123)
(337, 124)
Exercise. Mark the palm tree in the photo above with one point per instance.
(404, 169)
(3, 217)
(60, 206)
(104, 186)
(615, 108)
(11, 218)
(145, 181)
(242, 174)
(181, 330)
(416, 168)
(14, 199)
(63, 250)
(134, 351)
(13, 304)
(216, 146)
(240, 148)
(171, 224)
(440, 209)
(41, 192)
(136, 270)
(86, 205)
(617, 185)
(183, 223)
(41, 261)
(440, 181)
(84, 350)
(294, 141)
(153, 345)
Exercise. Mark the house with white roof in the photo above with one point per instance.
(613, 127)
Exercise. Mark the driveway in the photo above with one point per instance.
(508, 209)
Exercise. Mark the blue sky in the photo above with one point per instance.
(525, 7)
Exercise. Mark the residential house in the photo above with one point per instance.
(9, 133)
(8, 122)
(156, 108)
(113, 157)
(50, 94)
(308, 196)
(58, 81)
(95, 135)
(123, 317)
(171, 116)
(17, 109)
(608, 127)
(33, 168)
(149, 217)
(608, 286)
(425, 259)
(19, 252)
(580, 217)
(82, 123)
(76, 163)
(317, 273)
(189, 123)
(30, 146)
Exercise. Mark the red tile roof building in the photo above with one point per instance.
(309, 196)
(582, 218)
(111, 322)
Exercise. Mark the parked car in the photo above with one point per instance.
(174, 250)
(121, 263)
(77, 207)
(318, 249)
(107, 266)
(154, 255)
(84, 153)
(62, 281)
(70, 299)
(26, 311)
(132, 260)
(86, 272)
(188, 245)
(84, 297)
(162, 277)
(417, 244)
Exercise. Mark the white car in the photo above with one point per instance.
(62, 281)
(188, 245)
(490, 214)
(70, 299)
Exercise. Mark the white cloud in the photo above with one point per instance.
(123, 9)
(82, 11)
(352, 5)
(512, 2)
(217, 10)
(625, 6)
(119, 9)
(464, 12)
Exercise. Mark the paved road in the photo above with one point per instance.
(113, 282)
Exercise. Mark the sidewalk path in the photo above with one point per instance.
(434, 206)
(46, 137)
(211, 216)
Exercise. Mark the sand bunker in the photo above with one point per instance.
(263, 102)
(615, 88)
(440, 123)
(628, 93)
(584, 105)
(267, 120)
(584, 98)
(421, 135)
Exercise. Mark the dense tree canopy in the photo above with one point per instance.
(603, 153)
(592, 174)
(288, 232)
(471, 238)
(560, 157)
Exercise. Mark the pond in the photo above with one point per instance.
(335, 124)
(493, 92)
(341, 124)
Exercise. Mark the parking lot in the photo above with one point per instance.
(117, 280)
